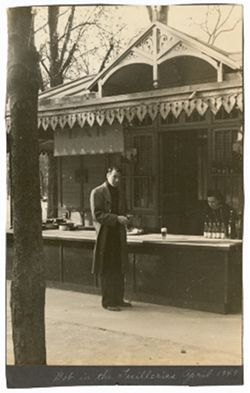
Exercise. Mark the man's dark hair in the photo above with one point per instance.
(113, 168)
(216, 194)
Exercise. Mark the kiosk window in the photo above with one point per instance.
(142, 173)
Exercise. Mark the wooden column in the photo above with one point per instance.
(220, 72)
(155, 66)
(100, 88)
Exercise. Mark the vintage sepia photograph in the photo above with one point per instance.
(125, 194)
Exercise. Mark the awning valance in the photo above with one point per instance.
(97, 115)
(90, 140)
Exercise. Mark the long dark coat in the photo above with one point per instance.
(100, 204)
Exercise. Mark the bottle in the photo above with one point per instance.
(238, 226)
(86, 220)
(214, 230)
(231, 226)
(209, 231)
(222, 230)
(205, 228)
(217, 230)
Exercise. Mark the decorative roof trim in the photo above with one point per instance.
(214, 53)
(189, 53)
(162, 108)
(207, 49)
(80, 103)
(123, 54)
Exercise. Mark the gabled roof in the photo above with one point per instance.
(77, 87)
(214, 51)
(236, 56)
(175, 37)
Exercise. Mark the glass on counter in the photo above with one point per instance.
(164, 232)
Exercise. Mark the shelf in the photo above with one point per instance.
(226, 174)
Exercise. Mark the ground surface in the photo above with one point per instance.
(80, 332)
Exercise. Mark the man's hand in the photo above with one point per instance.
(122, 220)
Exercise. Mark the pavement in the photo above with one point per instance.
(80, 332)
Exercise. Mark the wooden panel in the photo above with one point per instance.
(143, 170)
(156, 275)
(77, 263)
(71, 182)
(203, 278)
(200, 277)
(93, 175)
(179, 170)
(235, 280)
(52, 256)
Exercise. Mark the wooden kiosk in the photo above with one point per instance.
(169, 110)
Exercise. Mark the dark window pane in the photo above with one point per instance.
(142, 181)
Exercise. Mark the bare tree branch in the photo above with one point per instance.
(68, 60)
(226, 30)
(106, 57)
(206, 21)
(61, 55)
(45, 67)
(227, 17)
(46, 24)
(71, 52)
(67, 35)
(77, 26)
(216, 27)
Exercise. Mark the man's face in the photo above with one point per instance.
(114, 178)
(213, 202)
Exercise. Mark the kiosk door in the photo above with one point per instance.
(179, 185)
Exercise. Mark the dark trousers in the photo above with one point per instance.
(112, 283)
(112, 278)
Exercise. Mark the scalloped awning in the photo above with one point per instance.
(91, 140)
(90, 116)
(79, 113)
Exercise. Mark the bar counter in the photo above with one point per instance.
(183, 271)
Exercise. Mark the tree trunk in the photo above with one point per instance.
(158, 13)
(28, 284)
(53, 14)
(56, 78)
(163, 14)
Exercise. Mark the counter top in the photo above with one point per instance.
(189, 240)
(181, 271)
(149, 238)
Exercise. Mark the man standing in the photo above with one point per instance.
(110, 258)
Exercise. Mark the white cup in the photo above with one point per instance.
(164, 232)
